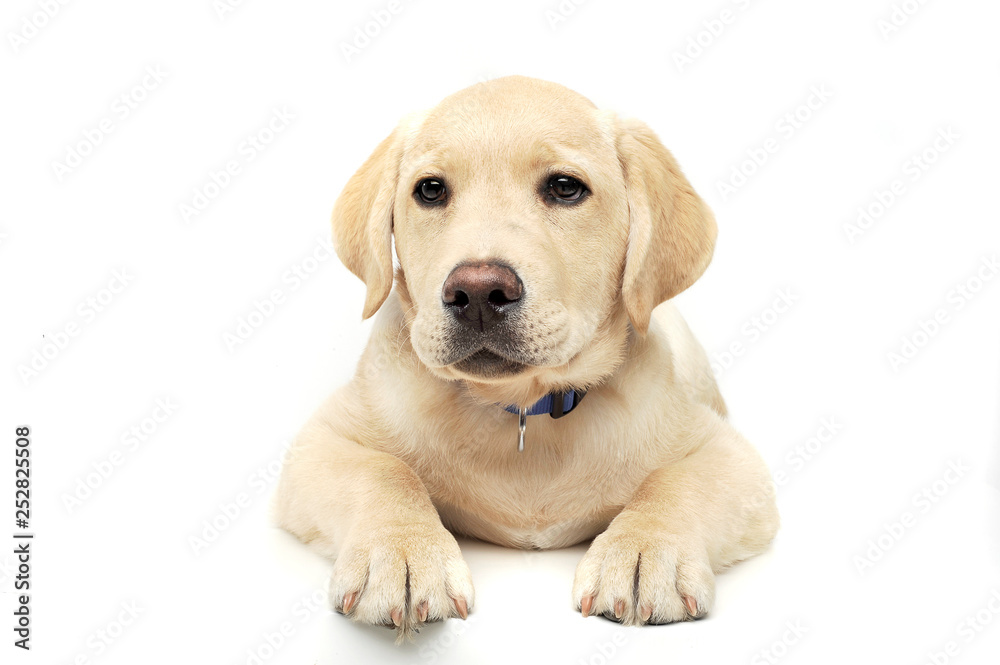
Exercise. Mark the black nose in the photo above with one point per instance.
(480, 295)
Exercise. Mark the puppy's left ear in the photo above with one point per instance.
(671, 231)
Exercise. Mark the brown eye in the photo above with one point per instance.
(431, 190)
(566, 189)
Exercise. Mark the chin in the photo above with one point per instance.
(485, 365)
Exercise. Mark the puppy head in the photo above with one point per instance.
(531, 229)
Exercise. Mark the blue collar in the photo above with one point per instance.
(556, 404)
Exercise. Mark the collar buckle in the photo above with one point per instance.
(559, 408)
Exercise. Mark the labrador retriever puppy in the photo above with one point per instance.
(527, 381)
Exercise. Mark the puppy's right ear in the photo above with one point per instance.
(362, 221)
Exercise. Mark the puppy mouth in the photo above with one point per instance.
(489, 365)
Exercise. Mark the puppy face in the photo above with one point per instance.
(526, 225)
(531, 229)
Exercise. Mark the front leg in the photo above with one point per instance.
(657, 560)
(394, 562)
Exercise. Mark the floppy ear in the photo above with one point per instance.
(671, 230)
(362, 222)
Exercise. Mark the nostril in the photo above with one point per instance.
(461, 299)
(498, 298)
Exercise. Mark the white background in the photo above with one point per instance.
(899, 426)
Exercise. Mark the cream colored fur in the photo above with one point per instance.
(413, 449)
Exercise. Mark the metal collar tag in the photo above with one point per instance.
(521, 426)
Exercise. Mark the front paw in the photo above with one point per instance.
(639, 572)
(401, 574)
